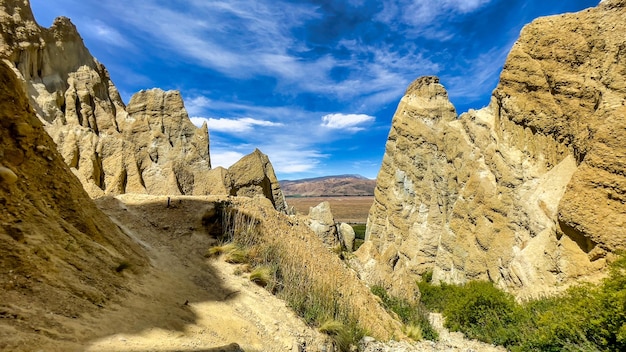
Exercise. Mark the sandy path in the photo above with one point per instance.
(187, 302)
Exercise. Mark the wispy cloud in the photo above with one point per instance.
(238, 38)
(427, 19)
(248, 38)
(197, 105)
(480, 75)
(346, 122)
(233, 126)
(290, 159)
(425, 12)
(102, 32)
(286, 159)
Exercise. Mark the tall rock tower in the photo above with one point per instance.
(529, 192)
(150, 146)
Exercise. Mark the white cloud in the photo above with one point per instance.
(197, 105)
(286, 159)
(231, 126)
(292, 158)
(224, 157)
(347, 122)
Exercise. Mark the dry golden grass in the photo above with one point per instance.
(311, 279)
(352, 210)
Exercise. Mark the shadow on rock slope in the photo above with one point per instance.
(62, 261)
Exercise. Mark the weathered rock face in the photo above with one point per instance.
(254, 175)
(58, 252)
(322, 223)
(150, 146)
(529, 192)
(346, 235)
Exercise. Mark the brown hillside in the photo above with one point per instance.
(330, 186)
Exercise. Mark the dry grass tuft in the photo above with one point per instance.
(262, 275)
(237, 256)
(413, 332)
(216, 251)
(339, 333)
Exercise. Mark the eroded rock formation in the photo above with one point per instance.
(254, 175)
(150, 146)
(529, 192)
(322, 222)
(60, 256)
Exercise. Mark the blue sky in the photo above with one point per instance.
(312, 83)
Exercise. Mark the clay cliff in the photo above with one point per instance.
(148, 147)
(60, 256)
(530, 191)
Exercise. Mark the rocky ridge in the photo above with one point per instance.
(527, 192)
(341, 185)
(150, 146)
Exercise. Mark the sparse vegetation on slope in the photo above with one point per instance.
(300, 270)
(584, 318)
(278, 268)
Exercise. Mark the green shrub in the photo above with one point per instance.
(436, 297)
(584, 318)
(415, 317)
(486, 313)
(359, 231)
(427, 277)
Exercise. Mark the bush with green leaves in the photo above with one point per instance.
(482, 311)
(584, 318)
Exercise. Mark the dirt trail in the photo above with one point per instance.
(187, 302)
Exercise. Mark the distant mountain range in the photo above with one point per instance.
(340, 185)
